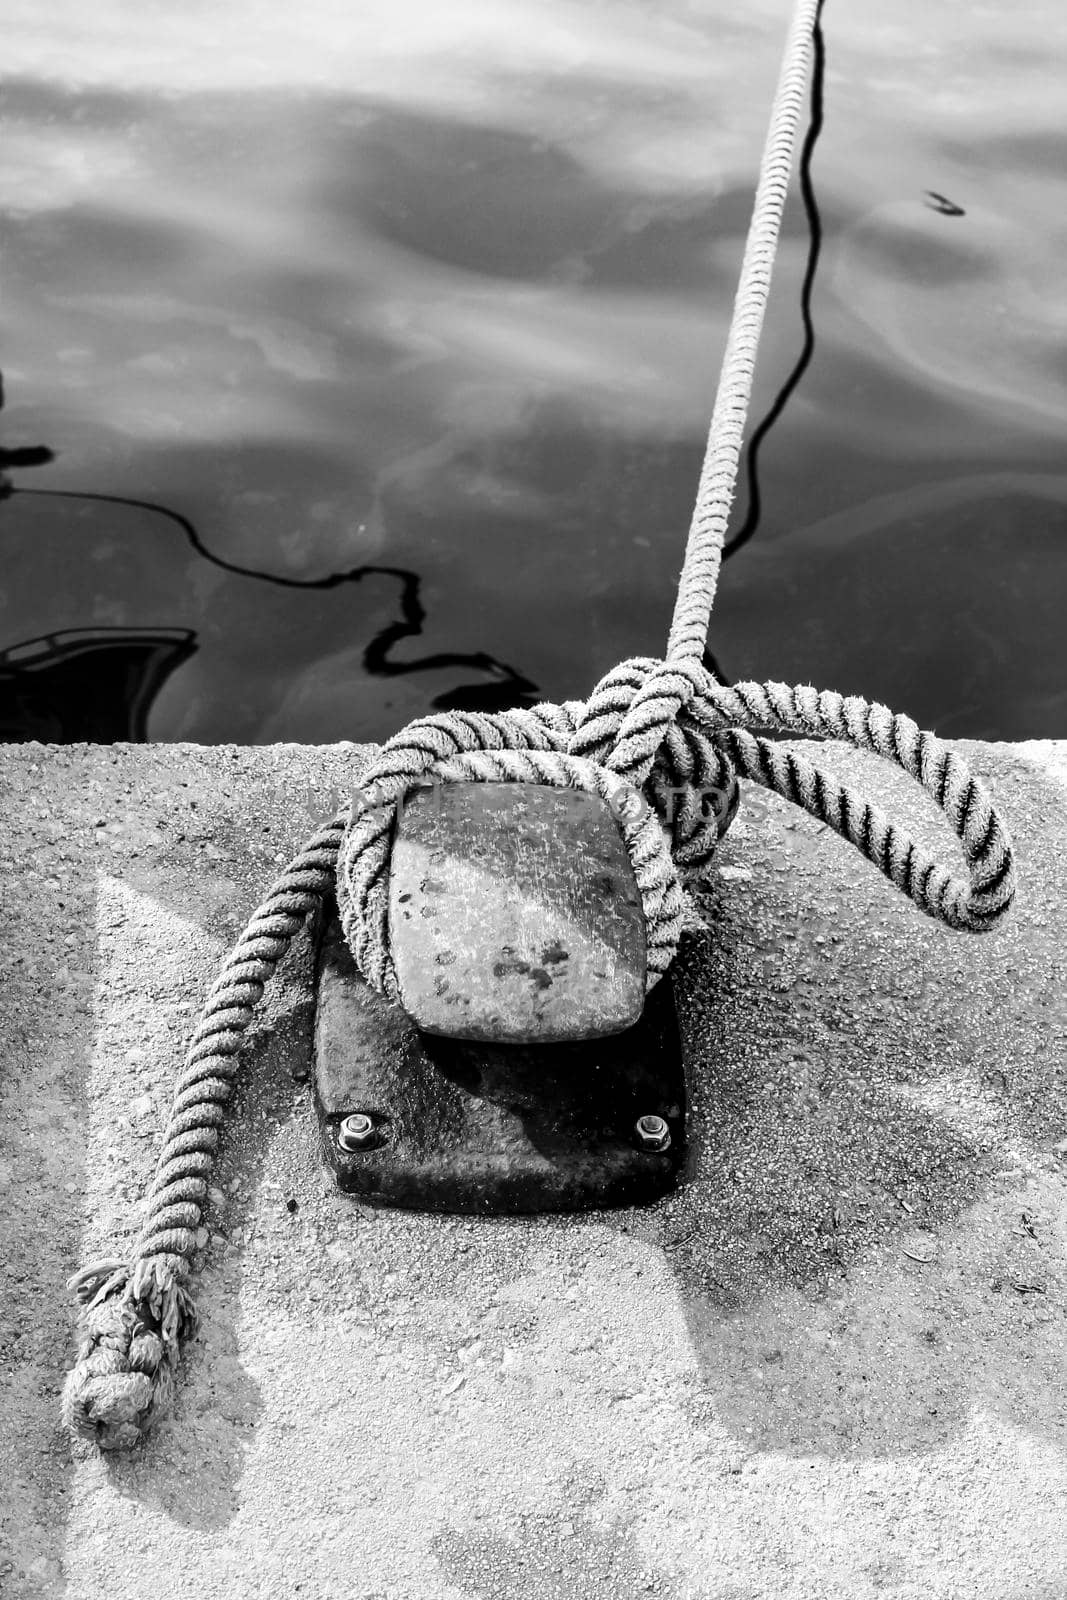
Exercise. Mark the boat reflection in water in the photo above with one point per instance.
(87, 685)
(98, 684)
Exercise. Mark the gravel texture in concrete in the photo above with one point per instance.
(831, 1365)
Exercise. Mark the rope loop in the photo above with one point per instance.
(975, 902)
(638, 708)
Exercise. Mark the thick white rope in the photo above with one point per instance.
(667, 689)
(718, 474)
(666, 728)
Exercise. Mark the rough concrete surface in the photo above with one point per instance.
(831, 1365)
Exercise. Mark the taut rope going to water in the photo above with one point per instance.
(661, 740)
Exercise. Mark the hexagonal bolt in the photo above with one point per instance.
(652, 1133)
(625, 803)
(357, 1132)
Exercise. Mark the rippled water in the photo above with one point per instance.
(434, 296)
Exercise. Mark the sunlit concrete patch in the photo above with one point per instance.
(971, 1108)
(143, 954)
(1049, 757)
(806, 1527)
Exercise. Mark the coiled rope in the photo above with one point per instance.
(661, 740)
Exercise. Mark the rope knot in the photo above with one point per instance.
(631, 711)
(637, 722)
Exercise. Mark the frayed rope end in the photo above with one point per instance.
(133, 1326)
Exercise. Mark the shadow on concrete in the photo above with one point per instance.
(864, 1082)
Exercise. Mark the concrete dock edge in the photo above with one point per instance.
(832, 1366)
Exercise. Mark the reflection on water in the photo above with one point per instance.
(411, 291)
(91, 685)
(20, 457)
(983, 304)
(947, 208)
(99, 686)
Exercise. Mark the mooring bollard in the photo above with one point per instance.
(524, 1072)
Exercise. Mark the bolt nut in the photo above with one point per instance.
(357, 1132)
(652, 1133)
(625, 803)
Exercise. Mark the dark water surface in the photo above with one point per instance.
(416, 311)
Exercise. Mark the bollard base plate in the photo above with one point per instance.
(470, 1126)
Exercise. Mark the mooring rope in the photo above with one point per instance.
(661, 740)
(718, 474)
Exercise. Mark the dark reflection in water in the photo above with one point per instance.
(97, 686)
(90, 685)
(946, 207)
(31, 455)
